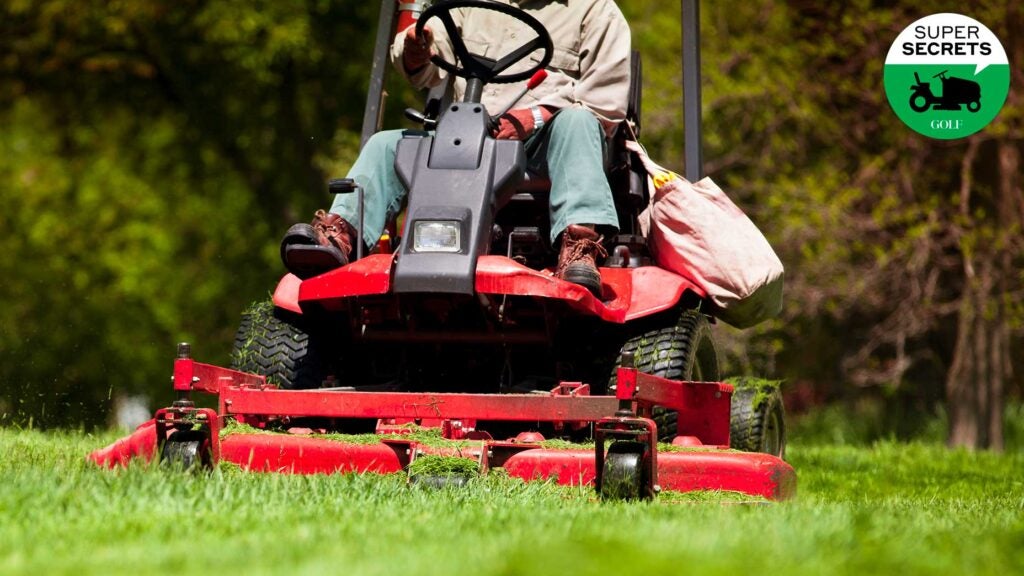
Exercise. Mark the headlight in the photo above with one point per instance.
(437, 236)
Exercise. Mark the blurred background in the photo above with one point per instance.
(152, 152)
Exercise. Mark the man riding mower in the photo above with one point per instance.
(471, 325)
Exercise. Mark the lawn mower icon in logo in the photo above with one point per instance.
(955, 91)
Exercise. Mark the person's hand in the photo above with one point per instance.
(417, 51)
(518, 124)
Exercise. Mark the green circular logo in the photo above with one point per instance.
(946, 76)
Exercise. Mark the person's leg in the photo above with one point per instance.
(574, 150)
(383, 192)
(571, 152)
(327, 242)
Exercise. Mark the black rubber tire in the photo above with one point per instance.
(757, 421)
(682, 350)
(623, 475)
(186, 450)
(275, 344)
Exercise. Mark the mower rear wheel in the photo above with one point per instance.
(186, 450)
(683, 350)
(277, 345)
(623, 476)
(757, 422)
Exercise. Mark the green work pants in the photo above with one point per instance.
(569, 150)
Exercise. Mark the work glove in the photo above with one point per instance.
(416, 52)
(518, 124)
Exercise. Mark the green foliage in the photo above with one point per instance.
(865, 422)
(151, 155)
(883, 509)
(153, 152)
(879, 238)
(114, 256)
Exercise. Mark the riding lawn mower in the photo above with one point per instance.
(460, 328)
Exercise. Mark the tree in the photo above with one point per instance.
(903, 253)
(152, 153)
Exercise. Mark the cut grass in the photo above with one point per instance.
(431, 465)
(432, 437)
(890, 508)
(421, 435)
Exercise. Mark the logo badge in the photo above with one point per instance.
(946, 76)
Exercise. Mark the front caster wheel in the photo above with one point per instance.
(187, 450)
(624, 475)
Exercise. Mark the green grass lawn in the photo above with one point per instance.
(890, 508)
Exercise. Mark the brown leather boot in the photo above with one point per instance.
(308, 250)
(577, 262)
(333, 230)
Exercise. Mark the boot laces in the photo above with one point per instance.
(580, 248)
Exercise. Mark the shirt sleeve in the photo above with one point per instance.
(603, 87)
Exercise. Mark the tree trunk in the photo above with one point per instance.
(976, 381)
(976, 378)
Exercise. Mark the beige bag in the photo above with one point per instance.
(695, 231)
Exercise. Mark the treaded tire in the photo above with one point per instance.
(681, 348)
(275, 343)
(757, 420)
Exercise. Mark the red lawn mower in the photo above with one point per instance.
(463, 329)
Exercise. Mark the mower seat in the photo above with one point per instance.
(626, 175)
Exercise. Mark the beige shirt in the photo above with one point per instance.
(589, 67)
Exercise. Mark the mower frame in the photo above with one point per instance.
(699, 459)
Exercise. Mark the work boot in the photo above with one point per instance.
(308, 250)
(333, 230)
(577, 262)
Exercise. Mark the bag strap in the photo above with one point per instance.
(659, 176)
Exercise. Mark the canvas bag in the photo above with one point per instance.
(694, 230)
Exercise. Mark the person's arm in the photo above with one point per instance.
(416, 51)
(520, 123)
(416, 66)
(603, 87)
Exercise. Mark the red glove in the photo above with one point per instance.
(518, 124)
(416, 52)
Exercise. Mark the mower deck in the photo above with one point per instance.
(699, 460)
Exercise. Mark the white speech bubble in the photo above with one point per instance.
(947, 38)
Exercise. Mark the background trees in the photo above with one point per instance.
(151, 153)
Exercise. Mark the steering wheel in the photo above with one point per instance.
(480, 67)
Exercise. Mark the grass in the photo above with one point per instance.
(431, 465)
(887, 508)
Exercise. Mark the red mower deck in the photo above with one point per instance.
(701, 462)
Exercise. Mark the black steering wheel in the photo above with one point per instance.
(480, 67)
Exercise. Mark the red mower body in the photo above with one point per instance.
(478, 341)
(628, 293)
